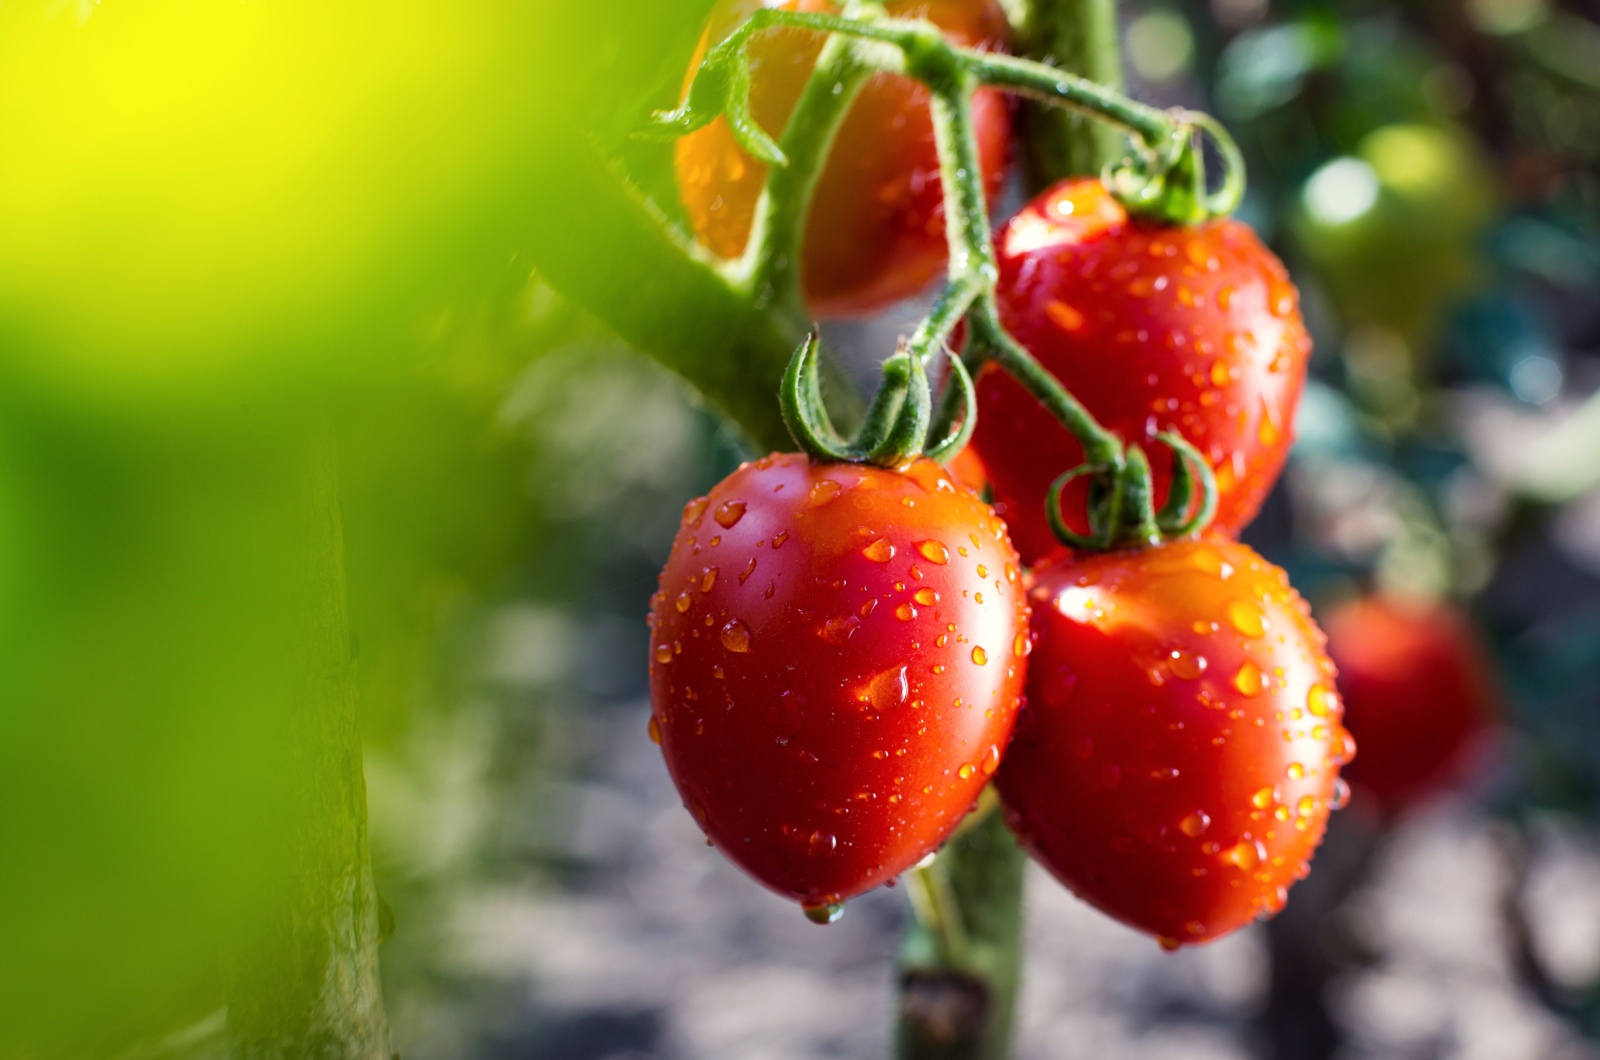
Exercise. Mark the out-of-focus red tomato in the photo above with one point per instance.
(876, 232)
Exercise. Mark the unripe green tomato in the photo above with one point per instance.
(1393, 229)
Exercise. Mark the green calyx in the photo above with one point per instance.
(895, 429)
(1166, 180)
(1121, 510)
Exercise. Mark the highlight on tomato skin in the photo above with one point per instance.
(1419, 696)
(837, 656)
(875, 233)
(1192, 329)
(1180, 749)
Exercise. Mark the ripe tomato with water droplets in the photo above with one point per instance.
(836, 657)
(875, 230)
(1195, 329)
(1417, 695)
(1180, 748)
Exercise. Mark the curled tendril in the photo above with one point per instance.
(1188, 468)
(961, 433)
(1103, 517)
(896, 425)
(1167, 179)
(800, 400)
(721, 86)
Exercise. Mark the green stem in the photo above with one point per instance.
(1080, 36)
(934, 904)
(769, 271)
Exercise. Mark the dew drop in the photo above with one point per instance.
(1341, 795)
(1319, 701)
(695, 510)
(966, 771)
(983, 572)
(1264, 797)
(821, 844)
(708, 578)
(1248, 680)
(664, 654)
(729, 513)
(926, 597)
(838, 629)
(823, 912)
(1194, 824)
(682, 602)
(1186, 664)
(934, 551)
(905, 612)
(1168, 943)
(1245, 855)
(1306, 806)
(736, 636)
(880, 551)
(822, 492)
(991, 761)
(1021, 645)
(779, 538)
(654, 730)
(1296, 771)
(1246, 617)
(887, 690)
(979, 656)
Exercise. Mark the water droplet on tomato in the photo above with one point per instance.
(838, 629)
(654, 730)
(729, 513)
(905, 612)
(1245, 855)
(664, 653)
(694, 511)
(736, 636)
(1246, 617)
(1021, 645)
(991, 761)
(1168, 943)
(880, 551)
(887, 690)
(821, 844)
(822, 492)
(1296, 771)
(823, 912)
(934, 551)
(966, 771)
(1319, 701)
(708, 578)
(979, 656)
(682, 602)
(1264, 797)
(779, 538)
(1341, 795)
(926, 597)
(1186, 664)
(1248, 680)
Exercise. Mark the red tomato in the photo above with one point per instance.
(875, 233)
(1417, 695)
(1194, 329)
(836, 660)
(1180, 747)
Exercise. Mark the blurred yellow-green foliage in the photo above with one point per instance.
(230, 232)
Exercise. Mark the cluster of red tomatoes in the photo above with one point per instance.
(844, 656)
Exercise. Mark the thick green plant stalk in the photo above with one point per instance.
(1080, 36)
(304, 982)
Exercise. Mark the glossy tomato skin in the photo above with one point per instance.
(875, 233)
(1194, 329)
(837, 654)
(1180, 748)
(1418, 696)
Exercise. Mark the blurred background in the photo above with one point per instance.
(303, 369)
